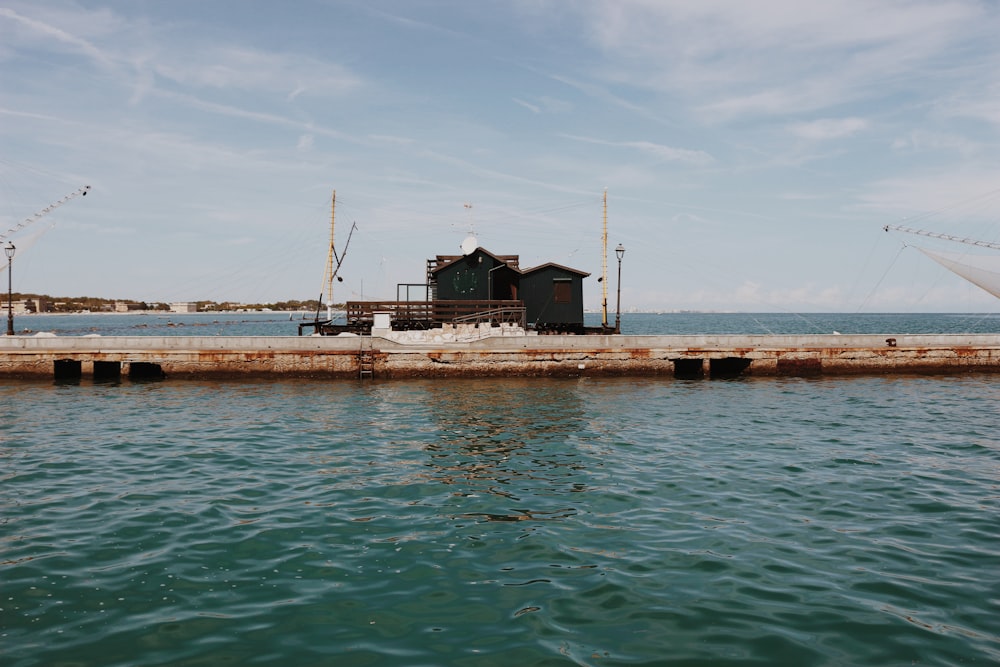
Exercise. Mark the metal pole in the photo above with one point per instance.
(620, 252)
(604, 266)
(9, 250)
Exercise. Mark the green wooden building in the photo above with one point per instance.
(552, 294)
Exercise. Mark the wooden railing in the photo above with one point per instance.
(430, 314)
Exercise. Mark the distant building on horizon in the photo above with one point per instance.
(127, 306)
(184, 307)
(28, 306)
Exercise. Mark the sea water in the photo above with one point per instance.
(587, 521)
(262, 323)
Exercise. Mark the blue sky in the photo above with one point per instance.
(751, 151)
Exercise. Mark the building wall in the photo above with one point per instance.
(467, 278)
(504, 283)
(538, 292)
(23, 307)
(480, 276)
(125, 307)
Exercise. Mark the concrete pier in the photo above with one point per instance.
(154, 357)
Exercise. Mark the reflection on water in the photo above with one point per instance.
(473, 522)
(514, 439)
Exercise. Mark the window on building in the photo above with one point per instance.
(562, 290)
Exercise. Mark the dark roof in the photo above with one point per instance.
(554, 265)
(448, 260)
(510, 260)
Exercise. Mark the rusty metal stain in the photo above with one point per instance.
(799, 367)
(477, 362)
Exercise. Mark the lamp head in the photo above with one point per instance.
(620, 251)
(9, 250)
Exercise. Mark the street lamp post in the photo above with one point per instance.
(9, 251)
(620, 252)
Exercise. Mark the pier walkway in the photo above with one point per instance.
(351, 357)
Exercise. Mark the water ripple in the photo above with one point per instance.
(807, 522)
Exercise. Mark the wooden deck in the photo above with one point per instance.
(410, 315)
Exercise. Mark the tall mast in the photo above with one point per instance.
(604, 264)
(329, 260)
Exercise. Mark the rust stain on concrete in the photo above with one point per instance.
(22, 357)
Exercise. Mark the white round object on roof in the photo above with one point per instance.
(469, 245)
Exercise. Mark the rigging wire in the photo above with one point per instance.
(42, 212)
(969, 205)
(946, 237)
(882, 278)
(24, 243)
(761, 325)
(863, 271)
(980, 199)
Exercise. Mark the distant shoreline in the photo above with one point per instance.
(168, 313)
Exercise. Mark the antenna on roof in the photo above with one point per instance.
(470, 243)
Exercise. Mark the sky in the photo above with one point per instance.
(751, 152)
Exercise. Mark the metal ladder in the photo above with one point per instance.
(366, 359)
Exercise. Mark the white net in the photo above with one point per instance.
(980, 270)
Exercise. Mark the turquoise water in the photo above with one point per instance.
(501, 522)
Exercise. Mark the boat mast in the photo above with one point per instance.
(329, 260)
(604, 265)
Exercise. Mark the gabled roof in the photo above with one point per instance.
(547, 265)
(447, 260)
(510, 260)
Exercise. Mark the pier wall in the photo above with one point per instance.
(344, 356)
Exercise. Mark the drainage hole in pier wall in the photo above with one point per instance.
(730, 367)
(67, 369)
(107, 371)
(689, 369)
(143, 370)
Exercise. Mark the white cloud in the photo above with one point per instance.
(713, 124)
(533, 108)
(670, 153)
(30, 30)
(545, 104)
(957, 192)
(659, 151)
(921, 140)
(828, 128)
(776, 57)
(306, 142)
(241, 68)
(388, 139)
(983, 103)
(554, 105)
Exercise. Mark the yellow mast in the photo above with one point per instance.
(604, 264)
(328, 277)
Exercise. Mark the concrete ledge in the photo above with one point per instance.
(340, 356)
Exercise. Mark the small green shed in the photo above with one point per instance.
(553, 297)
